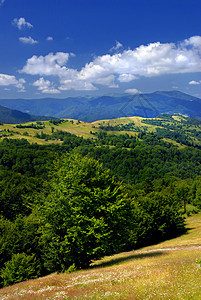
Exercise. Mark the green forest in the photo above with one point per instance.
(64, 205)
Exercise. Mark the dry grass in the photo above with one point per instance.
(164, 271)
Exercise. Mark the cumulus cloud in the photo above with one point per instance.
(126, 77)
(193, 82)
(28, 40)
(49, 38)
(45, 86)
(110, 70)
(152, 60)
(78, 85)
(133, 91)
(21, 23)
(194, 41)
(6, 80)
(51, 64)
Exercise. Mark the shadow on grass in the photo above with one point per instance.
(125, 259)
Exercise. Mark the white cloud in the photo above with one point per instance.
(193, 82)
(51, 64)
(150, 60)
(116, 47)
(28, 40)
(6, 80)
(194, 41)
(78, 85)
(126, 77)
(21, 23)
(49, 38)
(45, 86)
(133, 91)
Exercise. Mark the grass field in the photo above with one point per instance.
(164, 271)
(85, 129)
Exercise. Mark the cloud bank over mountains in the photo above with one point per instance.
(149, 60)
(111, 70)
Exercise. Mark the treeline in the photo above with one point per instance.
(67, 138)
(181, 132)
(38, 125)
(123, 127)
(63, 206)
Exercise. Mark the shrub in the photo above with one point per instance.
(21, 267)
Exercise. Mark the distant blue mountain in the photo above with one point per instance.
(13, 116)
(106, 107)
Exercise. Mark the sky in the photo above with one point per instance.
(62, 48)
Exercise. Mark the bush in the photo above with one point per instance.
(21, 267)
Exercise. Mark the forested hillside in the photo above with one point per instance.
(12, 116)
(71, 200)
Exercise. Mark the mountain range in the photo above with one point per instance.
(90, 109)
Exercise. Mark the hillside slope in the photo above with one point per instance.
(164, 271)
(12, 116)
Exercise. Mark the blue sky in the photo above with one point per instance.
(90, 47)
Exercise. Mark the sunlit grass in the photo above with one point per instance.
(164, 271)
(85, 130)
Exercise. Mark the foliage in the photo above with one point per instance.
(86, 215)
(22, 173)
(162, 218)
(22, 235)
(57, 121)
(20, 267)
(34, 126)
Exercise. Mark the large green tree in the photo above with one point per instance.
(86, 214)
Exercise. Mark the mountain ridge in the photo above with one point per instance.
(12, 116)
(94, 108)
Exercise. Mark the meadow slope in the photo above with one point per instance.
(167, 270)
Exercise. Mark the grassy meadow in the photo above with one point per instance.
(87, 130)
(79, 128)
(167, 270)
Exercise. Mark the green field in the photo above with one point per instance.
(164, 271)
(177, 125)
